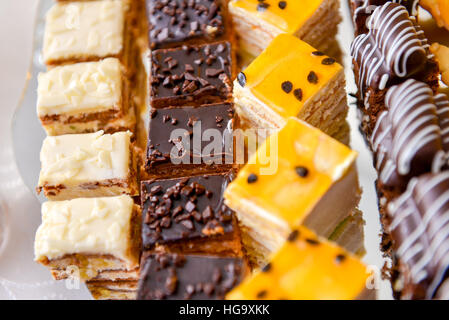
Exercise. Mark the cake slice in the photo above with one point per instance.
(186, 141)
(298, 176)
(411, 136)
(85, 97)
(395, 49)
(177, 276)
(174, 23)
(268, 92)
(307, 268)
(188, 215)
(191, 75)
(257, 23)
(87, 30)
(88, 235)
(419, 226)
(88, 165)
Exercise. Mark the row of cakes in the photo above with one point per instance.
(86, 103)
(275, 210)
(185, 227)
(405, 121)
(191, 240)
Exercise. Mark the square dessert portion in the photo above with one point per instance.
(85, 97)
(174, 23)
(192, 75)
(188, 215)
(88, 165)
(177, 276)
(307, 268)
(85, 236)
(87, 30)
(298, 176)
(258, 22)
(190, 140)
(299, 81)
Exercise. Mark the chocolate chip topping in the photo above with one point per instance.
(340, 258)
(302, 171)
(293, 236)
(175, 276)
(160, 145)
(190, 74)
(328, 61)
(312, 242)
(298, 94)
(262, 6)
(282, 4)
(252, 178)
(241, 78)
(266, 268)
(287, 86)
(181, 210)
(175, 21)
(312, 77)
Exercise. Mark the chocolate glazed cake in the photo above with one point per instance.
(393, 50)
(419, 225)
(362, 9)
(410, 139)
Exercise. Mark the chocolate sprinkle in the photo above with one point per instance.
(302, 171)
(293, 236)
(241, 78)
(312, 242)
(282, 5)
(298, 94)
(262, 6)
(261, 294)
(287, 86)
(312, 77)
(318, 53)
(328, 61)
(267, 267)
(340, 258)
(252, 178)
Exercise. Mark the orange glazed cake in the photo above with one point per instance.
(257, 23)
(307, 268)
(298, 176)
(267, 93)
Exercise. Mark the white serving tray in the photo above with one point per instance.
(22, 278)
